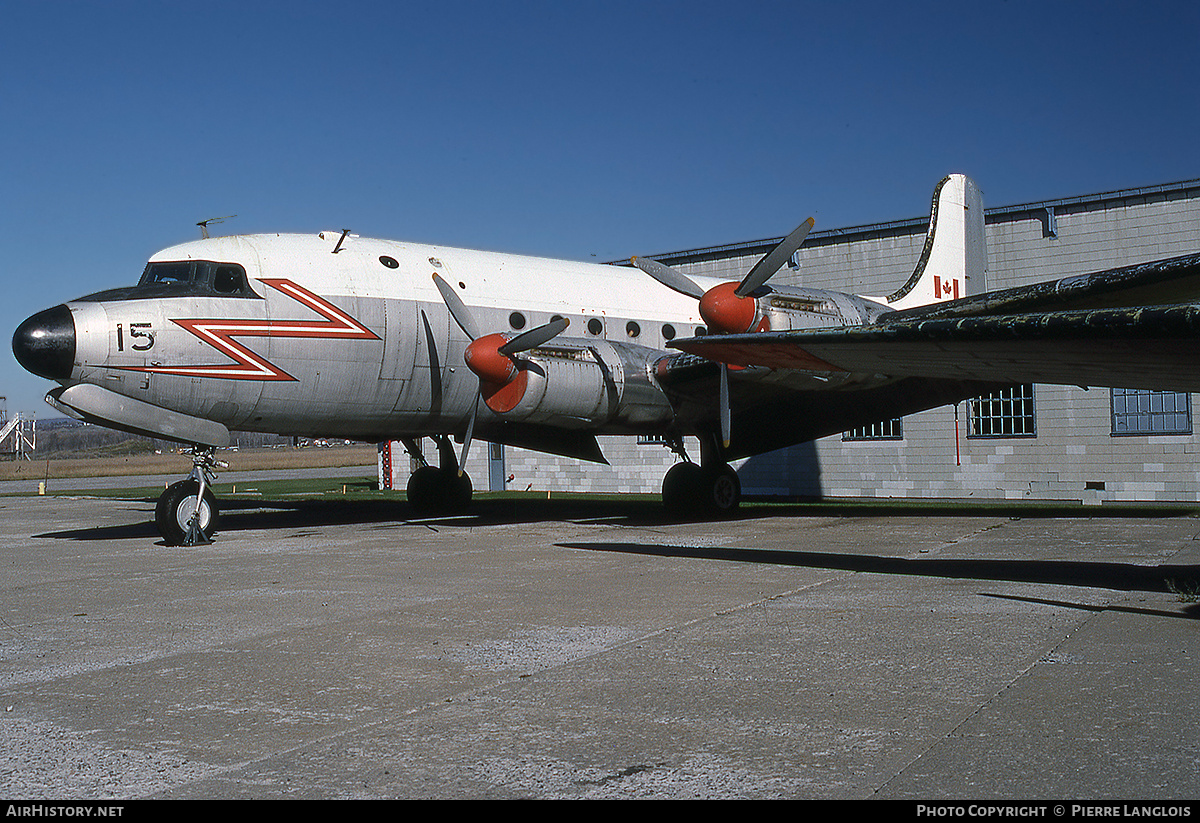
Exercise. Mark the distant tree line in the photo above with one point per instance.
(65, 438)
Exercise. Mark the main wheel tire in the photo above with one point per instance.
(681, 489)
(175, 507)
(458, 497)
(692, 491)
(724, 490)
(437, 491)
(425, 490)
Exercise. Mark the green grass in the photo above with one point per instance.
(351, 489)
(1185, 591)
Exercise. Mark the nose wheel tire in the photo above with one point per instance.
(175, 509)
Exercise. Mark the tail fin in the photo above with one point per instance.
(953, 262)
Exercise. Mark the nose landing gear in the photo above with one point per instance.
(186, 513)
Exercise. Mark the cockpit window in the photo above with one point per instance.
(168, 274)
(194, 277)
(229, 279)
(183, 278)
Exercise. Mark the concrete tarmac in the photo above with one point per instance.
(549, 649)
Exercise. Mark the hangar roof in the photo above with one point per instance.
(1002, 214)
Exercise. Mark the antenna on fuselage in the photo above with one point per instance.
(203, 224)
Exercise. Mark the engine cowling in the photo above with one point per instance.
(578, 383)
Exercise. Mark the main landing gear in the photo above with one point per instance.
(708, 489)
(438, 490)
(186, 513)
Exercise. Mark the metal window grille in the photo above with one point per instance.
(1141, 411)
(883, 430)
(1005, 413)
(652, 440)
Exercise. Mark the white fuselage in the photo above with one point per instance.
(281, 363)
(332, 334)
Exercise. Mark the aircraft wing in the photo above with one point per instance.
(1159, 283)
(1148, 347)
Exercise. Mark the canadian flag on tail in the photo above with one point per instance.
(953, 261)
(945, 291)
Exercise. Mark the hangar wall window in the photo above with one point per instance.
(653, 440)
(1004, 413)
(883, 430)
(1141, 411)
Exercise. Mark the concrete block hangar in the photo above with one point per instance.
(1034, 442)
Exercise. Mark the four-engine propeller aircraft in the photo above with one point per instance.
(334, 335)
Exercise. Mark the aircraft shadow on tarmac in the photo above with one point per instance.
(240, 515)
(270, 513)
(278, 514)
(1118, 576)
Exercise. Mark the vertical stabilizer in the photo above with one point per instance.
(953, 261)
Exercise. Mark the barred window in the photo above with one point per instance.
(1141, 411)
(1005, 413)
(883, 430)
(652, 440)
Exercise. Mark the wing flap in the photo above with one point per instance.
(1142, 348)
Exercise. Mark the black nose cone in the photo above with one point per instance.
(45, 343)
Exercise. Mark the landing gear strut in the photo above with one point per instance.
(710, 489)
(186, 513)
(438, 490)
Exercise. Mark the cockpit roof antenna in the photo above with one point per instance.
(203, 224)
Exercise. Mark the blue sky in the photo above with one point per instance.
(565, 129)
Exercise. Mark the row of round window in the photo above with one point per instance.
(595, 327)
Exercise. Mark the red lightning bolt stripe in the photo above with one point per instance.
(248, 365)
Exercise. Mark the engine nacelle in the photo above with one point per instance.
(785, 308)
(584, 383)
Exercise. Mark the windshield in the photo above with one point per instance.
(171, 274)
(183, 278)
(201, 277)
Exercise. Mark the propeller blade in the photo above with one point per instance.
(435, 368)
(725, 414)
(775, 259)
(674, 280)
(534, 337)
(462, 463)
(458, 309)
